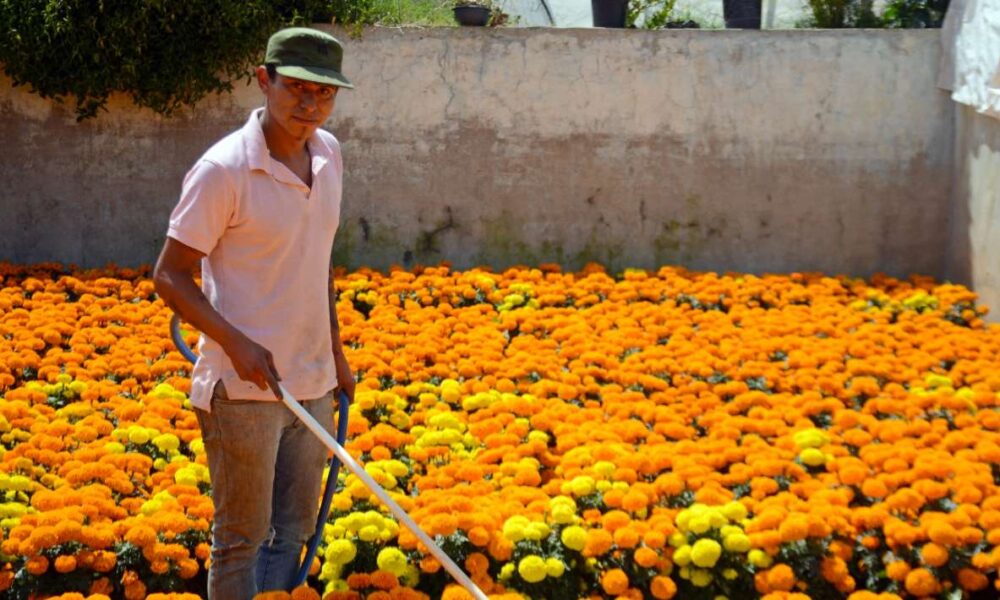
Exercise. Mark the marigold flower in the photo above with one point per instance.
(934, 555)
(574, 538)
(662, 588)
(392, 560)
(921, 582)
(532, 568)
(781, 577)
(614, 582)
(65, 564)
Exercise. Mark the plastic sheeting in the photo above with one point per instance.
(970, 60)
(548, 13)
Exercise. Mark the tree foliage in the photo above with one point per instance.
(163, 54)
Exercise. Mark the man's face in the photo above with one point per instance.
(299, 107)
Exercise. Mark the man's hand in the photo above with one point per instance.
(345, 378)
(254, 363)
(175, 284)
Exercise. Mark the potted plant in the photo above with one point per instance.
(741, 14)
(609, 13)
(474, 13)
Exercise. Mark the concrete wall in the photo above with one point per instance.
(755, 151)
(976, 206)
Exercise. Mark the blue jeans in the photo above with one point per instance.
(267, 469)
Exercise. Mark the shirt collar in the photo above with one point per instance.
(259, 157)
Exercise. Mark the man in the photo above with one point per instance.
(259, 211)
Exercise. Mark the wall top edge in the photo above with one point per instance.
(444, 31)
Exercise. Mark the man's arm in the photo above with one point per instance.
(175, 284)
(345, 378)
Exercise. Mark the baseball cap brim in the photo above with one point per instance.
(316, 75)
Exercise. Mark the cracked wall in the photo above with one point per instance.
(728, 150)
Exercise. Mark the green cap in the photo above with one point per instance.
(307, 54)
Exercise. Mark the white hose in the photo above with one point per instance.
(347, 460)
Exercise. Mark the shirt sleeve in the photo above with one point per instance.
(205, 208)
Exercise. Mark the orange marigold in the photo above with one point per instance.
(934, 555)
(662, 588)
(972, 580)
(455, 592)
(65, 564)
(37, 565)
(384, 580)
(598, 542)
(780, 577)
(897, 570)
(614, 582)
(359, 581)
(304, 592)
(941, 532)
(921, 582)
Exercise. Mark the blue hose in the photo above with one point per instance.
(331, 480)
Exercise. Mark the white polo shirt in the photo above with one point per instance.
(267, 240)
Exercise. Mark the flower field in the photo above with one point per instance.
(652, 434)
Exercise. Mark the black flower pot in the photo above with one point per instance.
(741, 14)
(609, 13)
(472, 15)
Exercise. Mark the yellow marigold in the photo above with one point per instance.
(705, 553)
(734, 511)
(554, 567)
(736, 542)
(812, 457)
(701, 577)
(341, 551)
(391, 559)
(532, 568)
(574, 537)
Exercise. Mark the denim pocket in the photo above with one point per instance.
(220, 396)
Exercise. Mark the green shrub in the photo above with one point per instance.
(655, 14)
(162, 53)
(915, 13)
(860, 13)
(836, 14)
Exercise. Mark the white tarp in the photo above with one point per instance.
(549, 13)
(970, 60)
(528, 13)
